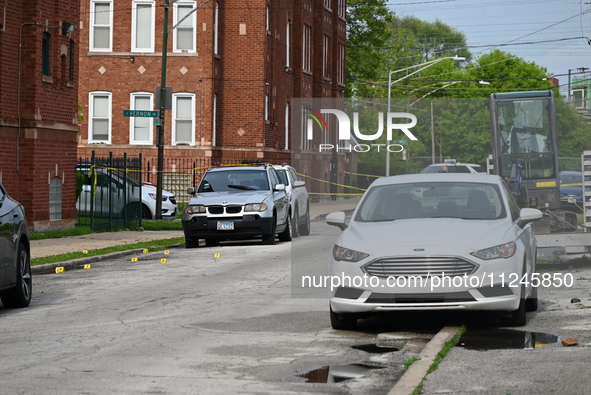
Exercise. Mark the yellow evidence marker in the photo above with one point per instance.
(163, 260)
(87, 266)
(85, 251)
(166, 252)
(60, 269)
(216, 255)
(146, 251)
(134, 259)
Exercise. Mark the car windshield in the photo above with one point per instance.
(466, 200)
(234, 180)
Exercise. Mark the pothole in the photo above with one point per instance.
(375, 349)
(336, 373)
(501, 339)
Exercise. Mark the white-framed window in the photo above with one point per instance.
(99, 123)
(183, 118)
(342, 12)
(341, 65)
(141, 128)
(306, 123)
(216, 29)
(267, 22)
(307, 48)
(101, 26)
(287, 43)
(266, 107)
(214, 121)
(326, 57)
(185, 33)
(286, 126)
(142, 26)
(327, 4)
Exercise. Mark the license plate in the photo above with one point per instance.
(225, 225)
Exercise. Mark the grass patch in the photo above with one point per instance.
(56, 234)
(439, 357)
(155, 245)
(155, 224)
(410, 361)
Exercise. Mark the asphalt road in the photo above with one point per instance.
(198, 323)
(234, 319)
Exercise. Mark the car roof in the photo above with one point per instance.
(439, 177)
(237, 168)
(454, 164)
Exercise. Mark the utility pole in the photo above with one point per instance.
(162, 104)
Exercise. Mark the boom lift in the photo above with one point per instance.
(525, 154)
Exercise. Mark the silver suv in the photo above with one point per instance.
(241, 202)
(298, 199)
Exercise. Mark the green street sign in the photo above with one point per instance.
(140, 113)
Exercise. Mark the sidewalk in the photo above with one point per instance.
(93, 241)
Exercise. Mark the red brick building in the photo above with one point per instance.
(233, 67)
(38, 107)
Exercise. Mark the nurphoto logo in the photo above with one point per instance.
(392, 121)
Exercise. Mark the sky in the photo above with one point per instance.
(547, 32)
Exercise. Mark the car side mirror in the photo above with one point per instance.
(279, 187)
(527, 215)
(337, 219)
(298, 184)
(191, 191)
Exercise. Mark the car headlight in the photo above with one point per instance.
(506, 250)
(258, 207)
(196, 209)
(345, 254)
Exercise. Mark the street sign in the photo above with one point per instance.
(140, 113)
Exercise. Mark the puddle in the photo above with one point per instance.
(375, 349)
(336, 373)
(502, 339)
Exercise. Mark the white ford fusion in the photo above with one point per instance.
(434, 242)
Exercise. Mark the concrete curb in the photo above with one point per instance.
(49, 268)
(415, 374)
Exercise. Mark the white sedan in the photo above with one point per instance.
(434, 242)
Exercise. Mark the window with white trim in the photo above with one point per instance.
(307, 48)
(99, 124)
(327, 4)
(214, 121)
(101, 26)
(267, 23)
(184, 34)
(286, 126)
(326, 57)
(341, 65)
(183, 119)
(216, 29)
(287, 43)
(342, 11)
(266, 107)
(142, 26)
(140, 128)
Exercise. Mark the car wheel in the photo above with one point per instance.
(286, 234)
(212, 242)
(517, 317)
(304, 229)
(146, 214)
(191, 242)
(269, 239)
(20, 296)
(294, 225)
(342, 321)
(531, 303)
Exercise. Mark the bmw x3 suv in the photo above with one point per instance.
(241, 202)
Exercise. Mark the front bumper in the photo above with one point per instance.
(247, 226)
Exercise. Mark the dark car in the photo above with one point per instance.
(571, 191)
(15, 264)
(242, 202)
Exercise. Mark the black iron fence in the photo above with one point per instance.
(110, 196)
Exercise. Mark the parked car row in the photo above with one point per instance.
(245, 202)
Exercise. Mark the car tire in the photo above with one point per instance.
(304, 229)
(146, 214)
(212, 242)
(531, 303)
(295, 232)
(269, 239)
(191, 242)
(517, 317)
(342, 321)
(20, 295)
(286, 234)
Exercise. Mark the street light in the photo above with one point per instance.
(422, 67)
